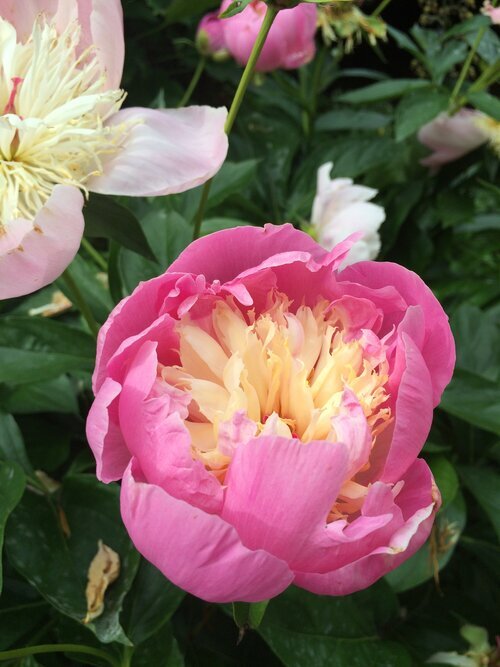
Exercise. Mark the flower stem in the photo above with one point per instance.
(194, 82)
(378, 10)
(96, 256)
(80, 302)
(56, 648)
(465, 69)
(246, 77)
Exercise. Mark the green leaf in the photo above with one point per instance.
(383, 90)
(349, 119)
(230, 180)
(93, 284)
(234, 8)
(151, 602)
(168, 233)
(486, 103)
(484, 484)
(58, 395)
(57, 565)
(37, 349)
(477, 339)
(446, 478)
(178, 10)
(212, 225)
(105, 218)
(305, 629)
(417, 109)
(249, 615)
(12, 444)
(421, 566)
(160, 650)
(12, 483)
(474, 399)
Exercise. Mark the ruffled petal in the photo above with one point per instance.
(33, 254)
(104, 434)
(417, 503)
(197, 551)
(438, 347)
(306, 479)
(166, 151)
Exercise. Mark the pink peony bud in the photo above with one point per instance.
(265, 412)
(289, 45)
(451, 137)
(210, 35)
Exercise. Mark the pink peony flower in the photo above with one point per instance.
(451, 137)
(266, 412)
(342, 208)
(289, 45)
(492, 12)
(210, 35)
(61, 133)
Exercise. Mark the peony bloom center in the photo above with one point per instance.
(285, 373)
(54, 107)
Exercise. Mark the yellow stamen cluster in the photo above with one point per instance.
(54, 108)
(283, 372)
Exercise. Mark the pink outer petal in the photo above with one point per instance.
(224, 255)
(451, 137)
(104, 435)
(280, 490)
(155, 434)
(32, 255)
(106, 28)
(197, 551)
(438, 348)
(419, 501)
(143, 309)
(166, 151)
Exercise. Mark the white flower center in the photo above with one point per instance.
(52, 127)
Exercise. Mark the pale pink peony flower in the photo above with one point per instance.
(61, 133)
(492, 12)
(451, 137)
(266, 412)
(342, 208)
(210, 35)
(289, 45)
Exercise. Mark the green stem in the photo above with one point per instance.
(246, 77)
(465, 69)
(79, 300)
(96, 256)
(194, 82)
(56, 648)
(381, 7)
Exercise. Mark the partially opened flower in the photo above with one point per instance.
(62, 134)
(342, 208)
(451, 137)
(289, 45)
(266, 412)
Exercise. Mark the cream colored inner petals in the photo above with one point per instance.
(53, 111)
(283, 372)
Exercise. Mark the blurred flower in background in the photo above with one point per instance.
(480, 653)
(346, 23)
(492, 12)
(342, 208)
(451, 137)
(290, 43)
